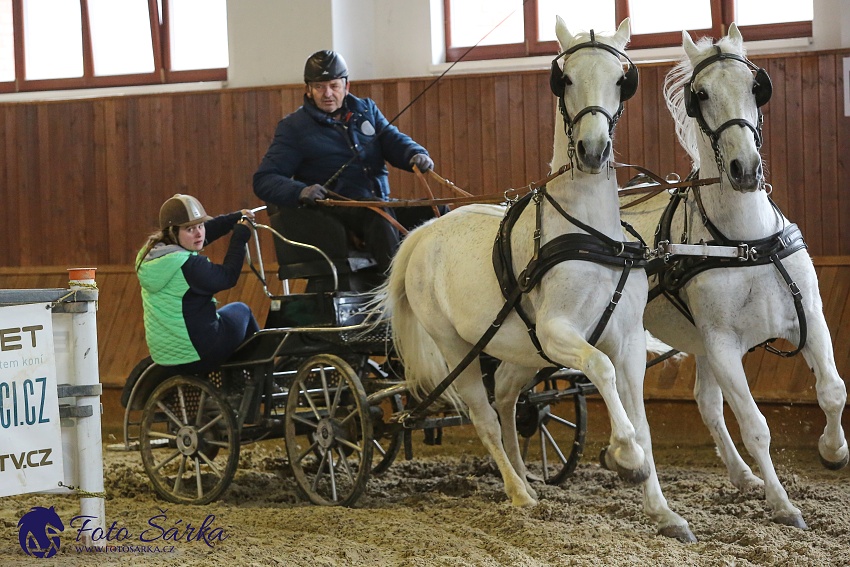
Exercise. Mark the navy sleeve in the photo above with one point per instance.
(273, 181)
(204, 277)
(220, 225)
(396, 147)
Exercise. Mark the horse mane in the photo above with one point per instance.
(687, 129)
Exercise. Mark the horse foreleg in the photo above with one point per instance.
(832, 393)
(630, 377)
(562, 344)
(725, 359)
(709, 399)
(509, 382)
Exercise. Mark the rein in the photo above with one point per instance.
(511, 195)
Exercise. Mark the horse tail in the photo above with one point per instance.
(423, 362)
(658, 348)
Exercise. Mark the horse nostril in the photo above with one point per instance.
(581, 150)
(607, 151)
(735, 170)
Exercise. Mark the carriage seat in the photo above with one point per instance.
(356, 270)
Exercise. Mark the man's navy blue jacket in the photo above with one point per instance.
(310, 146)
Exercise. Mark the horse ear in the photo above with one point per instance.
(624, 32)
(690, 47)
(735, 35)
(565, 38)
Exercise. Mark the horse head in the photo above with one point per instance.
(724, 96)
(591, 87)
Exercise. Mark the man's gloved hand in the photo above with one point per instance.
(423, 162)
(310, 194)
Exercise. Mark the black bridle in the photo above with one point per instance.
(558, 83)
(762, 90)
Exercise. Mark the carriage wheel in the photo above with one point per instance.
(387, 440)
(189, 441)
(329, 431)
(552, 434)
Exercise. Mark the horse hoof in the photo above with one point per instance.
(834, 465)
(523, 502)
(681, 533)
(634, 476)
(602, 459)
(793, 520)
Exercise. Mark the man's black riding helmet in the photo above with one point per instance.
(324, 66)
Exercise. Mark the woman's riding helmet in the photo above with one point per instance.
(325, 65)
(182, 210)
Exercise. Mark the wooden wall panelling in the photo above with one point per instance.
(520, 174)
(795, 179)
(828, 112)
(494, 148)
(810, 151)
(776, 150)
(842, 156)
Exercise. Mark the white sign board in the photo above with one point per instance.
(30, 432)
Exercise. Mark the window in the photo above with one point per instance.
(67, 44)
(527, 27)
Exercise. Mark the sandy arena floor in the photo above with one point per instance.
(447, 507)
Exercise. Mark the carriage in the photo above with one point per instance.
(324, 377)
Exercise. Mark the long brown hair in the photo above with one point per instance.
(166, 236)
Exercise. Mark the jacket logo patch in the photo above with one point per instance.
(367, 128)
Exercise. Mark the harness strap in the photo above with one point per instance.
(798, 306)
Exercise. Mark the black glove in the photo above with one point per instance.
(423, 162)
(310, 194)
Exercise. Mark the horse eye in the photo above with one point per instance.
(567, 80)
(702, 95)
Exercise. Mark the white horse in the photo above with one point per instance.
(443, 294)
(736, 308)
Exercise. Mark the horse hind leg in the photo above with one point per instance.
(831, 392)
(470, 387)
(709, 400)
(509, 382)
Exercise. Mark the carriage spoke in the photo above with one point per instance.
(167, 460)
(346, 466)
(198, 478)
(350, 445)
(309, 422)
(201, 401)
(162, 435)
(332, 475)
(562, 421)
(544, 457)
(379, 447)
(545, 431)
(322, 462)
(211, 465)
(303, 388)
(222, 444)
(212, 422)
(325, 391)
(180, 470)
(182, 404)
(308, 451)
(169, 414)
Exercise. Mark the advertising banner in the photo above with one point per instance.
(30, 432)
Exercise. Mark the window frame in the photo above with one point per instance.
(160, 43)
(722, 14)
